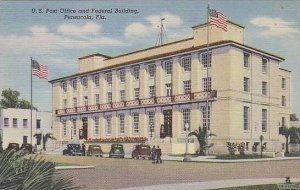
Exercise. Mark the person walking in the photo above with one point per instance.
(158, 155)
(153, 154)
(83, 149)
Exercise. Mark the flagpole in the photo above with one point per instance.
(208, 64)
(31, 100)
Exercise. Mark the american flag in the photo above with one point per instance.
(39, 70)
(218, 19)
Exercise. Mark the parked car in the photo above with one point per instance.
(117, 150)
(95, 150)
(26, 148)
(13, 146)
(142, 151)
(73, 150)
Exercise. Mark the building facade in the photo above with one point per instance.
(15, 126)
(236, 91)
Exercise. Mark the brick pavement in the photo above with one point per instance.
(123, 173)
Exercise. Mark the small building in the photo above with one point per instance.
(15, 126)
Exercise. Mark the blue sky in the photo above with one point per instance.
(273, 26)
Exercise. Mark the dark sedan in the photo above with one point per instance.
(73, 150)
(117, 150)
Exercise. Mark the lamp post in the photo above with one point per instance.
(186, 157)
(261, 138)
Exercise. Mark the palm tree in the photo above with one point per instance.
(288, 132)
(45, 138)
(202, 136)
(18, 172)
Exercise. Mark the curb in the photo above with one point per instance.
(73, 167)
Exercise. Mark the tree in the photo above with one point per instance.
(10, 99)
(44, 138)
(293, 117)
(202, 136)
(18, 172)
(288, 132)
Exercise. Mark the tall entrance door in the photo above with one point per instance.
(167, 127)
(83, 133)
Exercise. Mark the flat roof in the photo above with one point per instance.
(192, 48)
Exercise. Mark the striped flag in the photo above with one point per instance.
(39, 70)
(218, 19)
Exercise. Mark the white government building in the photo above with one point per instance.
(15, 126)
(135, 94)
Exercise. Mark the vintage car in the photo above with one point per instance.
(141, 151)
(13, 146)
(95, 150)
(73, 150)
(117, 150)
(26, 148)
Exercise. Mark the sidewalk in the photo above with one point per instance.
(215, 184)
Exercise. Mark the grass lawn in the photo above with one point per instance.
(256, 187)
(238, 156)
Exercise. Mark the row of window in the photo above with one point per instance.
(25, 123)
(168, 67)
(264, 62)
(186, 114)
(206, 85)
(264, 120)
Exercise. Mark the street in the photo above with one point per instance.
(122, 173)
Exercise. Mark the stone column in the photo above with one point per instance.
(195, 73)
(115, 87)
(176, 122)
(143, 82)
(128, 85)
(177, 84)
(195, 117)
(91, 124)
(102, 88)
(114, 122)
(159, 79)
(128, 123)
(69, 94)
(80, 92)
(143, 123)
(159, 120)
(91, 94)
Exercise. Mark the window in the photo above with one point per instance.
(186, 113)
(136, 72)
(25, 123)
(64, 127)
(152, 70)
(186, 63)
(152, 91)
(85, 82)
(121, 124)
(151, 122)
(206, 59)
(169, 89)
(206, 84)
(96, 128)
(135, 123)
(264, 121)
(283, 101)
(97, 101)
(283, 83)
(74, 102)
(206, 117)
(136, 93)
(6, 122)
(64, 86)
(74, 84)
(246, 84)
(246, 118)
(187, 86)
(109, 78)
(109, 97)
(283, 122)
(122, 75)
(96, 80)
(264, 88)
(122, 95)
(246, 60)
(74, 127)
(108, 125)
(85, 100)
(38, 123)
(168, 67)
(15, 122)
(264, 64)
(65, 103)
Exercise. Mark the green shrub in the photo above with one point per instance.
(241, 148)
(231, 147)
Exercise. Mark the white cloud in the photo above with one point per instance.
(40, 41)
(275, 27)
(151, 27)
(73, 29)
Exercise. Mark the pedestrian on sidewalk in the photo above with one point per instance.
(158, 155)
(83, 149)
(153, 154)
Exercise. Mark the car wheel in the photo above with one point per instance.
(109, 156)
(122, 156)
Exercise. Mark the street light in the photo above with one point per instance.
(186, 157)
(261, 138)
